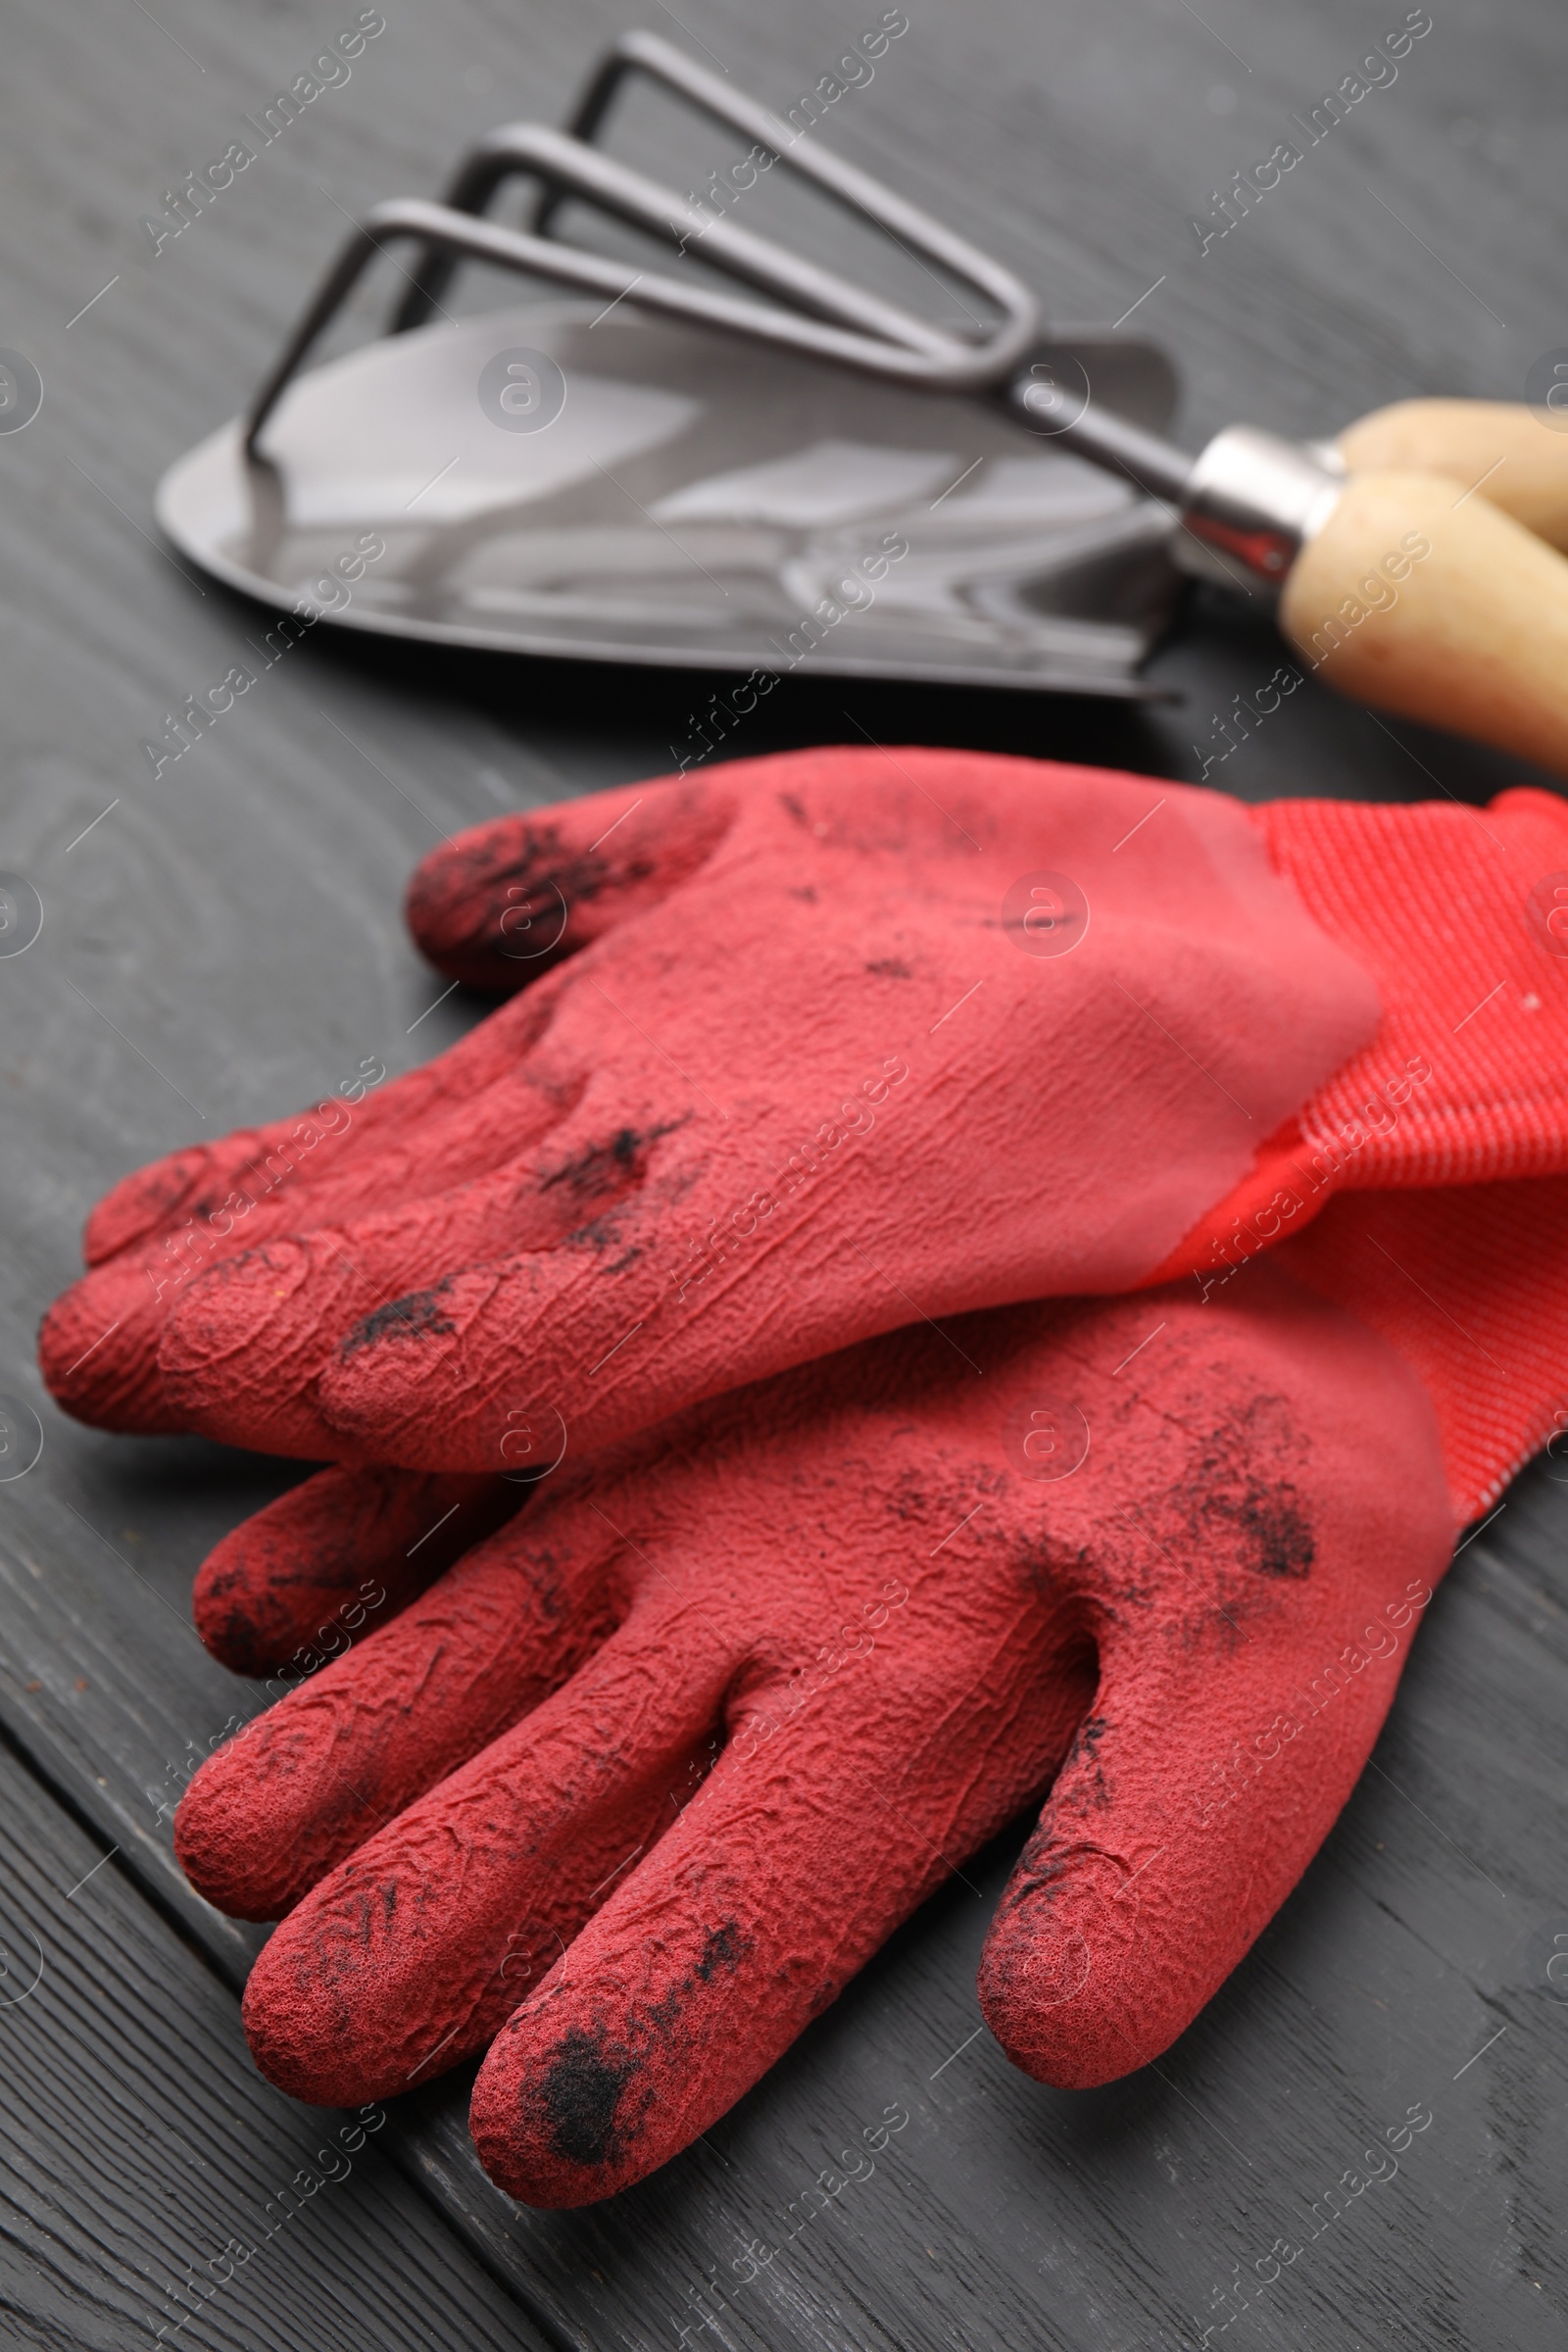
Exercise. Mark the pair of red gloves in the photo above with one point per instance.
(826, 1066)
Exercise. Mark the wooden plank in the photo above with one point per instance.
(153, 2188)
(223, 942)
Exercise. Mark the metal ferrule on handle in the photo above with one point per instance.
(1243, 508)
(1254, 499)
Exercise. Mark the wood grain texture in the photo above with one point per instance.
(222, 942)
(1476, 629)
(153, 2188)
(1526, 470)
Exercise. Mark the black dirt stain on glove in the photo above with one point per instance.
(581, 2093)
(418, 1315)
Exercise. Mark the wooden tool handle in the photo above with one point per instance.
(1420, 598)
(1515, 460)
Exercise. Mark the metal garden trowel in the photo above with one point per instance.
(649, 468)
(656, 469)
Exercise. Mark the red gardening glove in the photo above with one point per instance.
(623, 1194)
(298, 1581)
(1164, 1557)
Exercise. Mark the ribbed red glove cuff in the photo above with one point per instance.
(1472, 1289)
(1462, 917)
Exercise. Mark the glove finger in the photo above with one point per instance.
(358, 1118)
(1217, 1768)
(488, 909)
(406, 1958)
(498, 905)
(347, 1548)
(439, 1379)
(267, 1816)
(151, 1198)
(98, 1344)
(243, 1355)
(784, 1875)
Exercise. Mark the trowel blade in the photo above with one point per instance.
(615, 487)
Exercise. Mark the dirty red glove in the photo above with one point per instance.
(829, 1062)
(1168, 1555)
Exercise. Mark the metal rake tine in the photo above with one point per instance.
(651, 54)
(756, 260)
(566, 166)
(959, 368)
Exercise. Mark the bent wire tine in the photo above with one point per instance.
(823, 313)
(786, 274)
(648, 53)
(563, 163)
(956, 368)
(244, 517)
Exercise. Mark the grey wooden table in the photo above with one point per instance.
(222, 942)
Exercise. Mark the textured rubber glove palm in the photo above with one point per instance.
(861, 1038)
(819, 1066)
(666, 1760)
